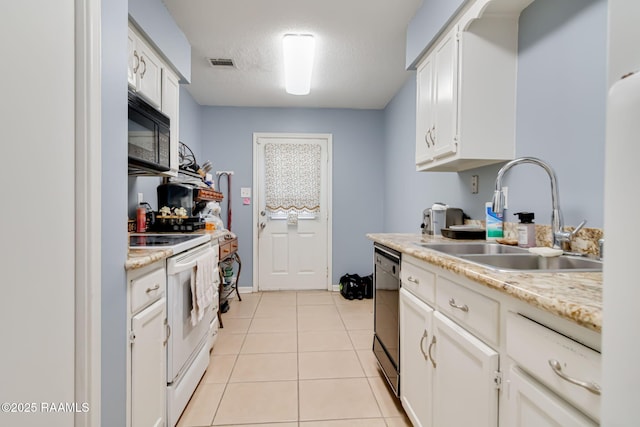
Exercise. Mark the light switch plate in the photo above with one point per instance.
(474, 184)
(245, 192)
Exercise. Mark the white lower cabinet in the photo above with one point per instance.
(416, 335)
(471, 356)
(532, 405)
(561, 376)
(147, 349)
(465, 379)
(148, 365)
(448, 377)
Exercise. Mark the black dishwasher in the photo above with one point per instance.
(386, 338)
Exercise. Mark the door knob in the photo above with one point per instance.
(263, 213)
(262, 225)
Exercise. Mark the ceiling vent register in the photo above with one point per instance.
(221, 62)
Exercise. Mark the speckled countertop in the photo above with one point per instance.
(576, 296)
(138, 258)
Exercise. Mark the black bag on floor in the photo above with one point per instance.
(351, 287)
(367, 283)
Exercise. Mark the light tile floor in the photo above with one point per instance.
(294, 359)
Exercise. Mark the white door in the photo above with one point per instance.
(425, 125)
(148, 366)
(291, 212)
(446, 96)
(533, 405)
(416, 373)
(465, 392)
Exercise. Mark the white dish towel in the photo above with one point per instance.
(202, 288)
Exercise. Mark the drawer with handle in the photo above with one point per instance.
(417, 280)
(475, 312)
(228, 247)
(147, 289)
(567, 367)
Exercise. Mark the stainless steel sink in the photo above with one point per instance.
(532, 262)
(473, 248)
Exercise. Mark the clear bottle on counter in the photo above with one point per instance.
(526, 230)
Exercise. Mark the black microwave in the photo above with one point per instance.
(148, 136)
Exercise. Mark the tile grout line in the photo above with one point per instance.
(226, 385)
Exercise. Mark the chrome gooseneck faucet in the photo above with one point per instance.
(557, 224)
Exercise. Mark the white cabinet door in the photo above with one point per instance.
(446, 96)
(149, 77)
(465, 392)
(532, 405)
(133, 60)
(148, 366)
(424, 112)
(171, 107)
(416, 333)
(437, 102)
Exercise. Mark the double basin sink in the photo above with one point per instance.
(510, 258)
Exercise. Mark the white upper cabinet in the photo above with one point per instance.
(466, 90)
(144, 69)
(171, 107)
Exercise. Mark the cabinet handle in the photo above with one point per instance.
(452, 303)
(424, 336)
(143, 62)
(167, 333)
(557, 369)
(137, 58)
(426, 138)
(153, 289)
(433, 341)
(413, 280)
(433, 135)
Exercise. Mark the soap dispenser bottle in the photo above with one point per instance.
(526, 230)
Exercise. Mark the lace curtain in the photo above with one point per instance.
(292, 184)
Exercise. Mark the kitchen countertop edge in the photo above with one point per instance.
(575, 296)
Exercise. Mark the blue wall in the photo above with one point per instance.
(358, 177)
(562, 87)
(114, 204)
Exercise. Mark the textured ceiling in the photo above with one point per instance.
(360, 50)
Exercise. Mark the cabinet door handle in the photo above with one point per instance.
(143, 62)
(426, 138)
(153, 289)
(424, 336)
(590, 386)
(452, 303)
(167, 332)
(413, 280)
(433, 135)
(433, 342)
(137, 58)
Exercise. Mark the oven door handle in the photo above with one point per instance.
(179, 267)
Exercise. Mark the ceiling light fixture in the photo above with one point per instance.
(298, 62)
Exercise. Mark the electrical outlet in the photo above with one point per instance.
(474, 184)
(140, 198)
(505, 197)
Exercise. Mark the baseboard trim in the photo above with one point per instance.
(249, 289)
